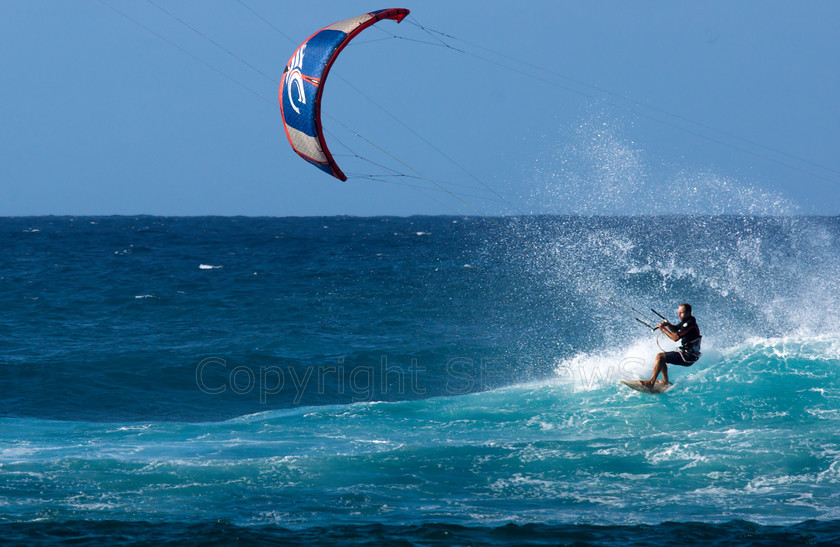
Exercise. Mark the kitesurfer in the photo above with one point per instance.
(688, 334)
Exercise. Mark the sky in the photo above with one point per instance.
(467, 107)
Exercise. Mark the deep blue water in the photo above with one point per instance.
(421, 380)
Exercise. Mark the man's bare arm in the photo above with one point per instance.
(666, 328)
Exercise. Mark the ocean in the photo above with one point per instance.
(419, 380)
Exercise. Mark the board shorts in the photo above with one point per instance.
(678, 358)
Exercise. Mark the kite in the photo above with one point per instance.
(303, 85)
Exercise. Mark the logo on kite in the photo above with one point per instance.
(301, 104)
(296, 78)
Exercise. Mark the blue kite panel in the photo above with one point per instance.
(311, 61)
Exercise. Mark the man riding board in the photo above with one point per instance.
(688, 334)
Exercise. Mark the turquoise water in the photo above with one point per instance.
(420, 380)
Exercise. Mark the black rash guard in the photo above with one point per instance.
(688, 334)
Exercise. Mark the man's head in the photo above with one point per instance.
(684, 311)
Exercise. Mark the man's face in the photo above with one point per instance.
(681, 312)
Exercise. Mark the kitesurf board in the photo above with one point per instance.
(658, 387)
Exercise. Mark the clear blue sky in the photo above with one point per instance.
(549, 107)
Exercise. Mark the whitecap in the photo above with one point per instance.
(639, 270)
(591, 370)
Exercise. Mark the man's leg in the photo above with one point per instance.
(665, 370)
(658, 366)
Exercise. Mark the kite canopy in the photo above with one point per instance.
(303, 85)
